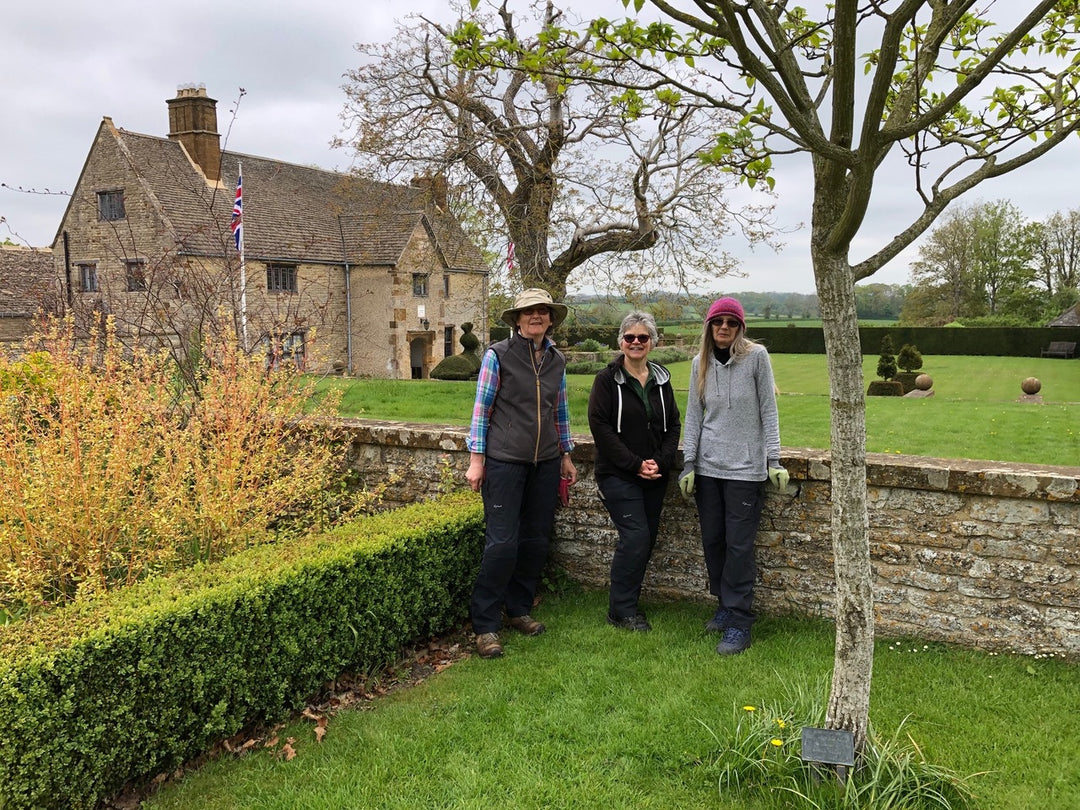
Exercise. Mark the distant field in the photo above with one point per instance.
(751, 322)
(973, 413)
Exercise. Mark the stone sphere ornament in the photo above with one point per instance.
(924, 382)
(1031, 386)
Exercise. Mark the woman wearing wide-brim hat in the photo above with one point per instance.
(520, 445)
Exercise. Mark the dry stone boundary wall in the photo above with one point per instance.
(982, 554)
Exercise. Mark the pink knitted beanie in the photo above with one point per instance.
(726, 306)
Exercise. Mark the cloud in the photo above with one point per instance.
(290, 57)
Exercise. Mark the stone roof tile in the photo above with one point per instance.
(1070, 317)
(25, 276)
(292, 212)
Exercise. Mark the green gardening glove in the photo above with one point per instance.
(779, 477)
(686, 485)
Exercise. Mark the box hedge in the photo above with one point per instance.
(98, 694)
(994, 341)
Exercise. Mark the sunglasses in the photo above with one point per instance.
(731, 323)
(535, 311)
(637, 338)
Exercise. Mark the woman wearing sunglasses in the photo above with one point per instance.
(731, 446)
(635, 426)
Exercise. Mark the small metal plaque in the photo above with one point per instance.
(828, 746)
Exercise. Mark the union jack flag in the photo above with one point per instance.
(238, 214)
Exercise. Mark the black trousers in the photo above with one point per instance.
(729, 513)
(519, 510)
(635, 511)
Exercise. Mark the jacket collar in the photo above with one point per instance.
(660, 374)
(548, 342)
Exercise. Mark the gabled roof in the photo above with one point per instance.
(25, 276)
(1070, 317)
(291, 212)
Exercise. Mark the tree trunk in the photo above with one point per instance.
(849, 700)
(528, 220)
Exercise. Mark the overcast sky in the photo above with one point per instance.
(68, 63)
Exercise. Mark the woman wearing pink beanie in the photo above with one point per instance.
(731, 447)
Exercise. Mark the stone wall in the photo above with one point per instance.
(983, 554)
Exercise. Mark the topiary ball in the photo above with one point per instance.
(1031, 386)
(456, 367)
(924, 382)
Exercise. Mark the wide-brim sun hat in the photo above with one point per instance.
(535, 297)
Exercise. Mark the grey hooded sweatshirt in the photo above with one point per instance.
(735, 434)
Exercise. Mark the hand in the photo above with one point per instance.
(686, 485)
(779, 477)
(649, 470)
(568, 470)
(476, 472)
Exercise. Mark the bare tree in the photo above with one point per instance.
(1058, 246)
(581, 178)
(795, 82)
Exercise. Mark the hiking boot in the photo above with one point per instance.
(526, 625)
(735, 640)
(636, 622)
(719, 622)
(488, 645)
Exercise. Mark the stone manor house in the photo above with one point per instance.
(338, 273)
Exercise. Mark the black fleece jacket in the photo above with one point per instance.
(624, 434)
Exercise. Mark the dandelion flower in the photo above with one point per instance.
(781, 723)
(749, 709)
(776, 741)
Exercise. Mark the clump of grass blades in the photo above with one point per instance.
(764, 758)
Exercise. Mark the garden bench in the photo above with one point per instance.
(1060, 348)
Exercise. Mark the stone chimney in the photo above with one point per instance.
(193, 122)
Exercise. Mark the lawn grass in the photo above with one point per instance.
(973, 413)
(587, 716)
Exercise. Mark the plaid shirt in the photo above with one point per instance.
(487, 386)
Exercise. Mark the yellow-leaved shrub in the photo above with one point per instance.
(114, 468)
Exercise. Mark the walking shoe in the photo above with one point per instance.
(719, 622)
(735, 640)
(526, 625)
(635, 622)
(488, 645)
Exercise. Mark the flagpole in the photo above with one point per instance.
(243, 298)
(238, 233)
